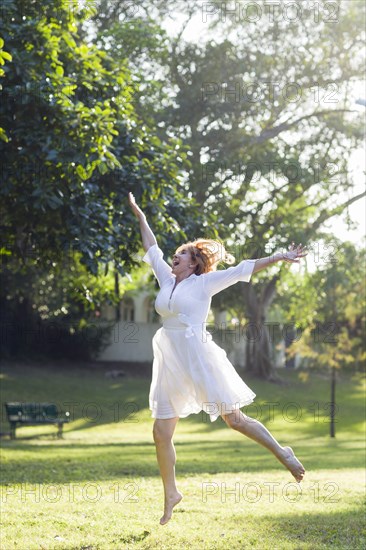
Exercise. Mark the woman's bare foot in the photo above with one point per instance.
(289, 460)
(169, 504)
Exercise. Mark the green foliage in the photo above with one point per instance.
(4, 57)
(72, 145)
(329, 308)
(269, 129)
(85, 120)
(76, 145)
(258, 175)
(53, 309)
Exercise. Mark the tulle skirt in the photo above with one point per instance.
(193, 374)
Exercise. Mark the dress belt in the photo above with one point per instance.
(184, 324)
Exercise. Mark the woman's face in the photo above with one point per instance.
(181, 262)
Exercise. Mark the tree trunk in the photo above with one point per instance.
(259, 351)
(116, 291)
(259, 347)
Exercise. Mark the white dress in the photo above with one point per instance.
(190, 371)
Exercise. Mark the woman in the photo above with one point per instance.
(190, 372)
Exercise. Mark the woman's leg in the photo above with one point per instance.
(255, 430)
(163, 433)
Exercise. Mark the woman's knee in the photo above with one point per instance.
(163, 430)
(233, 420)
(158, 433)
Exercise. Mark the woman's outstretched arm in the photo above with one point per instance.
(291, 256)
(148, 237)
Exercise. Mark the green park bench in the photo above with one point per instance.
(35, 414)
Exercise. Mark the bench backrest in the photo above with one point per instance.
(31, 411)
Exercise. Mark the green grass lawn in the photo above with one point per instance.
(99, 487)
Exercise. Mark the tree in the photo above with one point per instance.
(52, 309)
(73, 144)
(266, 117)
(328, 307)
(269, 123)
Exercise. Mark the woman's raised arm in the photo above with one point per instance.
(291, 256)
(148, 237)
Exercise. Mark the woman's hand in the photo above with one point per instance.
(293, 253)
(148, 237)
(135, 208)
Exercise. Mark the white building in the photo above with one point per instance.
(131, 335)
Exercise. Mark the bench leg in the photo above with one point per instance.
(59, 431)
(12, 430)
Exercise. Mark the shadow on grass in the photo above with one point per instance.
(312, 417)
(296, 530)
(85, 462)
(87, 394)
(311, 421)
(325, 529)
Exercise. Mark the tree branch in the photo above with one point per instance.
(327, 214)
(273, 132)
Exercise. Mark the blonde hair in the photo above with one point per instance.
(207, 254)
